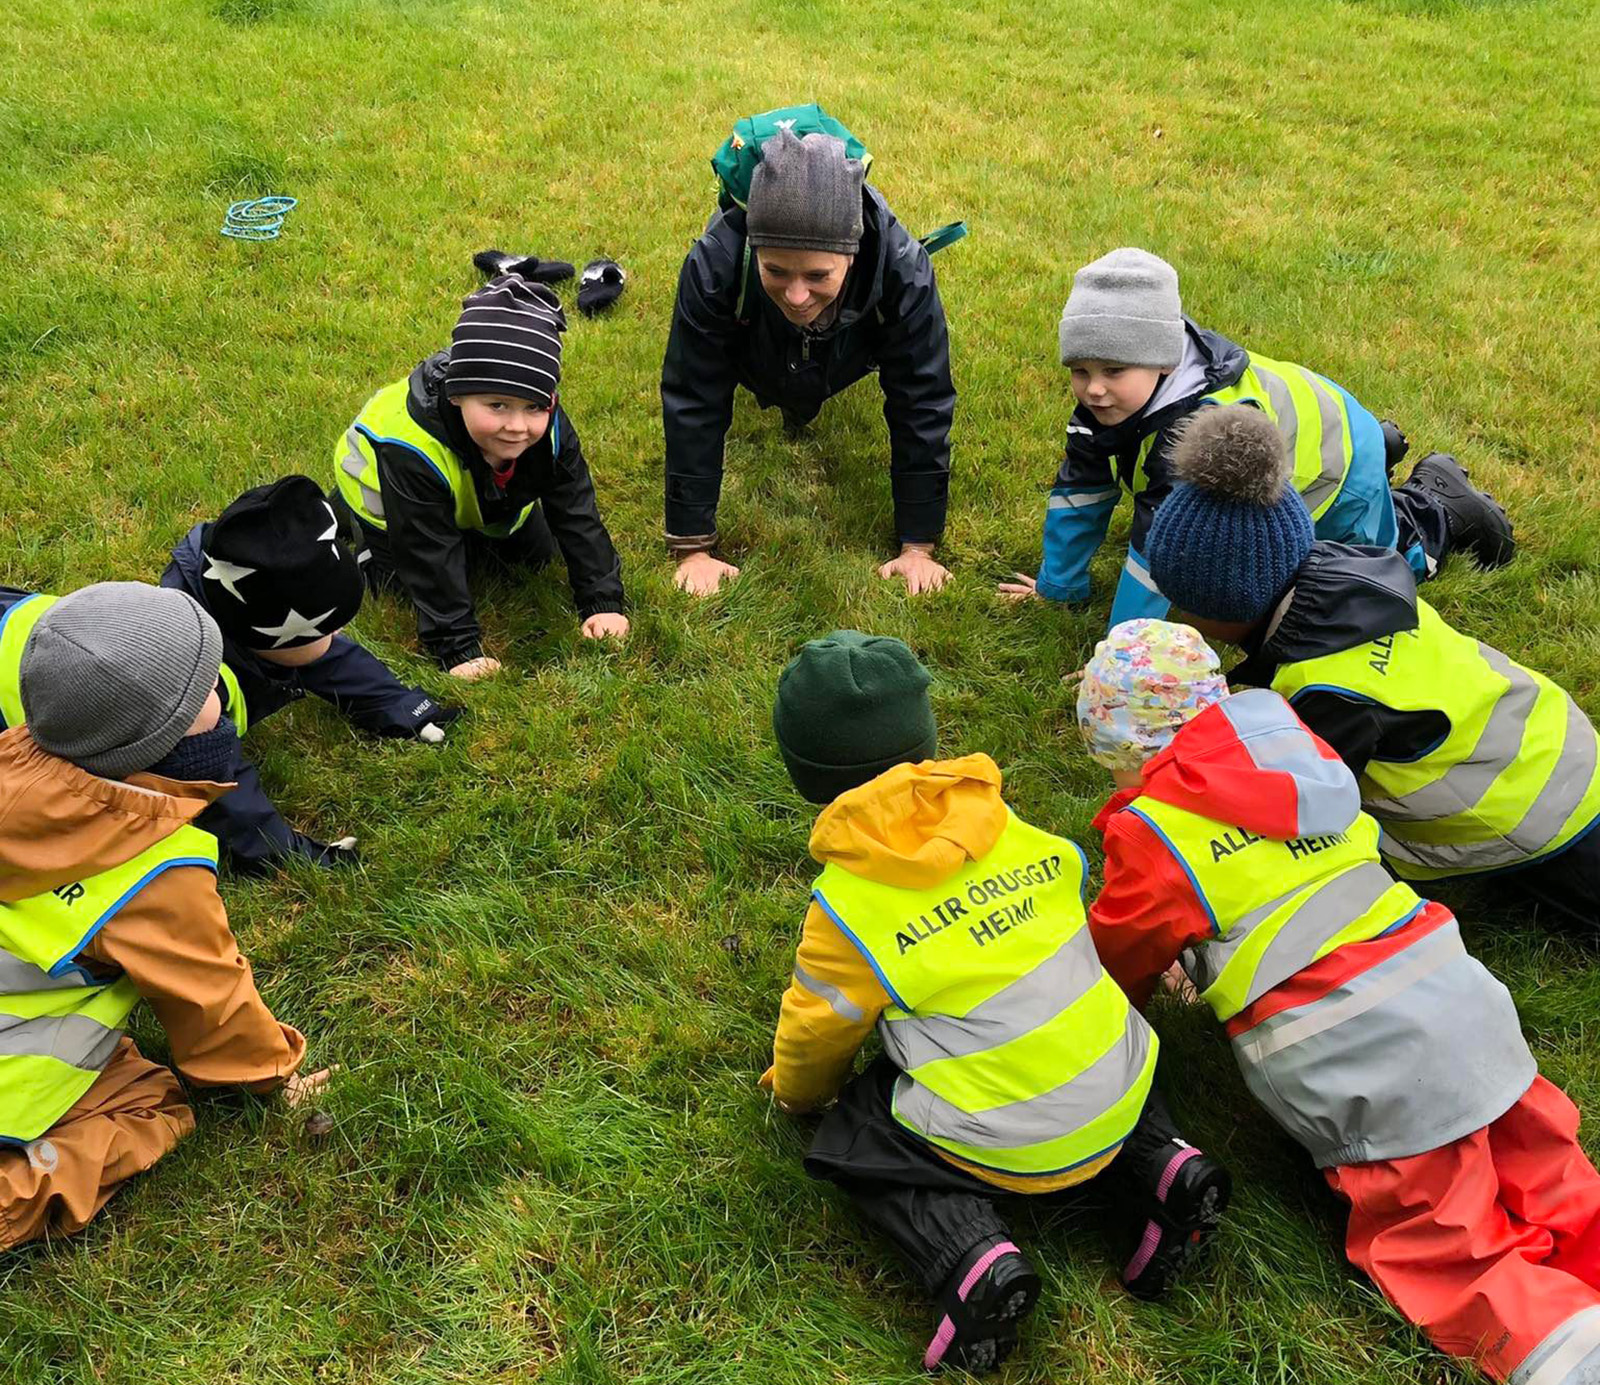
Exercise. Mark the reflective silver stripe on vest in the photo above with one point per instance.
(1048, 1116)
(74, 1039)
(1081, 499)
(1331, 446)
(355, 466)
(1335, 904)
(19, 978)
(1028, 1002)
(1465, 784)
(841, 1004)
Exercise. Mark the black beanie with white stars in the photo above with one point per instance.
(276, 574)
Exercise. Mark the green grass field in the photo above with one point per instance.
(553, 982)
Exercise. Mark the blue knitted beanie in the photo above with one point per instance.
(1226, 544)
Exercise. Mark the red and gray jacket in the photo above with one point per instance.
(1367, 1031)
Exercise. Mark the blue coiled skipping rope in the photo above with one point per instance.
(259, 218)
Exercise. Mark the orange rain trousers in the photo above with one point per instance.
(1490, 1243)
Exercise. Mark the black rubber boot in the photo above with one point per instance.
(983, 1305)
(1189, 1194)
(1475, 520)
(1395, 446)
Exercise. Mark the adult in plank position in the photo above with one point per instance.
(833, 288)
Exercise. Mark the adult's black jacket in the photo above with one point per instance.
(429, 553)
(890, 320)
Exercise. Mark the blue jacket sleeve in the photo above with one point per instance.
(1075, 521)
(363, 689)
(1137, 593)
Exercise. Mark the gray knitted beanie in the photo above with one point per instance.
(113, 676)
(1124, 308)
(806, 195)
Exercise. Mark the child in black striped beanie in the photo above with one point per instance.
(473, 450)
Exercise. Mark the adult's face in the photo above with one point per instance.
(802, 282)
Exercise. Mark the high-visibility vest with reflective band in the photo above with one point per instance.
(17, 623)
(1018, 1053)
(385, 419)
(1276, 907)
(58, 1025)
(1516, 777)
(1310, 414)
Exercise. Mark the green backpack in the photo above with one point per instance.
(735, 164)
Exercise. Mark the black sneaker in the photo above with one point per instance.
(1395, 446)
(984, 1302)
(1473, 519)
(1191, 1195)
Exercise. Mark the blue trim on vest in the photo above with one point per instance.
(871, 960)
(1047, 1173)
(6, 615)
(375, 439)
(67, 964)
(1083, 880)
(1544, 860)
(1178, 857)
(1404, 919)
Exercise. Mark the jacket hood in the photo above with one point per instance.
(1249, 761)
(1343, 595)
(914, 825)
(59, 823)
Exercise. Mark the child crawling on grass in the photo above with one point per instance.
(1011, 1062)
(1236, 845)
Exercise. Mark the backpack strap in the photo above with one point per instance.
(936, 241)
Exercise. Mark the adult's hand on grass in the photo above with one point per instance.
(700, 574)
(916, 565)
(1020, 588)
(474, 669)
(606, 625)
(302, 1086)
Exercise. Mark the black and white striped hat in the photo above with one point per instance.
(507, 341)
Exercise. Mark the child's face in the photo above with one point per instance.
(802, 282)
(299, 656)
(503, 426)
(1112, 392)
(210, 715)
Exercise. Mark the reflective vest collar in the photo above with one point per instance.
(16, 624)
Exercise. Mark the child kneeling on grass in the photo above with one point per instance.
(1011, 1063)
(108, 895)
(281, 585)
(1140, 367)
(471, 453)
(1472, 764)
(1236, 845)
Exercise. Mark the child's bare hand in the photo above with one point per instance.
(1176, 981)
(700, 574)
(607, 625)
(1020, 588)
(474, 669)
(302, 1086)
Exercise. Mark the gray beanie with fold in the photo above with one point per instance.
(806, 195)
(113, 676)
(1124, 308)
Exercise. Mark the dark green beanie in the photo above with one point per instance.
(849, 707)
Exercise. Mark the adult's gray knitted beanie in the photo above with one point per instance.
(806, 195)
(114, 675)
(1124, 308)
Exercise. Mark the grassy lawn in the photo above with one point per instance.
(553, 982)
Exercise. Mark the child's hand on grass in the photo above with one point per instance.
(474, 669)
(700, 574)
(1175, 981)
(916, 564)
(606, 625)
(302, 1086)
(1020, 588)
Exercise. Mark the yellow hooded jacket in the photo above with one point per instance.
(911, 827)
